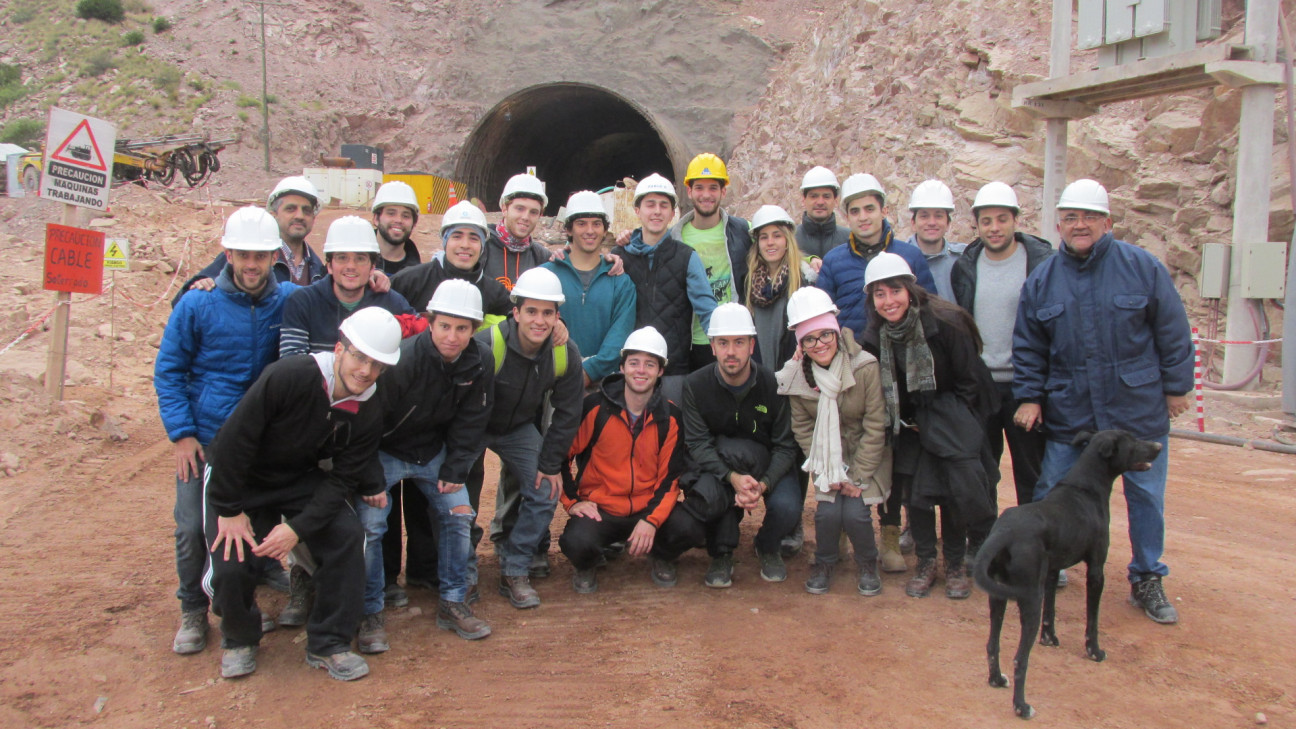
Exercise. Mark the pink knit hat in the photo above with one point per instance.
(826, 320)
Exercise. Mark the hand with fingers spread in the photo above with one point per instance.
(233, 531)
(585, 510)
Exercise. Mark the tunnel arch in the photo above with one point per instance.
(577, 136)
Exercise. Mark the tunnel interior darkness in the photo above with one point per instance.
(577, 137)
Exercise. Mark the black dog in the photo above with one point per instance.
(1030, 543)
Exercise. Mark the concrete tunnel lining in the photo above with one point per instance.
(577, 136)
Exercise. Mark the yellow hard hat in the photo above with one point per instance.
(706, 166)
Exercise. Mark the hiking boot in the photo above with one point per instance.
(457, 616)
(869, 583)
(422, 583)
(473, 594)
(519, 591)
(772, 567)
(344, 666)
(889, 557)
(394, 596)
(1062, 579)
(192, 635)
(373, 635)
(301, 592)
(720, 573)
(924, 577)
(585, 582)
(540, 566)
(1150, 595)
(237, 662)
(275, 577)
(664, 573)
(906, 543)
(267, 623)
(957, 584)
(791, 545)
(820, 578)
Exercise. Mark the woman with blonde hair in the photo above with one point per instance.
(775, 270)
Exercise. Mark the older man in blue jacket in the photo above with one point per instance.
(1102, 341)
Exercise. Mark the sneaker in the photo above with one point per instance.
(373, 634)
(957, 584)
(519, 591)
(301, 592)
(585, 582)
(820, 578)
(395, 596)
(1150, 595)
(1062, 579)
(344, 666)
(457, 616)
(869, 584)
(275, 577)
(237, 662)
(422, 583)
(192, 635)
(664, 573)
(790, 546)
(540, 566)
(772, 567)
(473, 594)
(720, 573)
(924, 577)
(906, 541)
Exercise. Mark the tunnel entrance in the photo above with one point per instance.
(578, 137)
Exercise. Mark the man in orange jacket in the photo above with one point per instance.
(613, 498)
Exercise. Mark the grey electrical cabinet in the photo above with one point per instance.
(1212, 283)
(1264, 270)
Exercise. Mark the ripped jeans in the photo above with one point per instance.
(453, 544)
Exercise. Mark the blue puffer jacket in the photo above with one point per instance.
(214, 347)
(842, 276)
(313, 314)
(1100, 341)
(600, 319)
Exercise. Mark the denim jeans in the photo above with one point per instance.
(452, 535)
(519, 453)
(1144, 496)
(190, 544)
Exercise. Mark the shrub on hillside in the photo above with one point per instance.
(132, 38)
(98, 62)
(23, 132)
(11, 86)
(161, 24)
(109, 11)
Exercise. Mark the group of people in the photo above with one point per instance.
(659, 392)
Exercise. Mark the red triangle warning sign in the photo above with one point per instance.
(81, 150)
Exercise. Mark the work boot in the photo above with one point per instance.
(422, 583)
(820, 578)
(906, 541)
(457, 616)
(344, 666)
(869, 583)
(394, 596)
(772, 567)
(924, 577)
(301, 592)
(664, 573)
(373, 634)
(957, 584)
(720, 573)
(1150, 595)
(192, 635)
(473, 594)
(791, 545)
(540, 566)
(267, 623)
(889, 556)
(585, 582)
(274, 577)
(519, 591)
(237, 662)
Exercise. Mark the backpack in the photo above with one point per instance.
(604, 414)
(499, 348)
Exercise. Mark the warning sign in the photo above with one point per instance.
(73, 259)
(116, 254)
(79, 169)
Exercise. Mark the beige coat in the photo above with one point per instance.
(862, 414)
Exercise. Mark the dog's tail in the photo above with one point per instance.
(991, 566)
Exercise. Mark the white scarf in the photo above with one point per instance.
(824, 460)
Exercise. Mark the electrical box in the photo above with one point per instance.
(1212, 282)
(1125, 31)
(1264, 270)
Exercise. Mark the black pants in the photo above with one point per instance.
(922, 524)
(1026, 447)
(338, 550)
(420, 548)
(889, 513)
(583, 539)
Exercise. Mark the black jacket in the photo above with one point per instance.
(756, 413)
(269, 450)
(412, 259)
(417, 285)
(816, 239)
(432, 403)
(963, 276)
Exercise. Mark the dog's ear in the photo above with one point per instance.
(1082, 439)
(1107, 443)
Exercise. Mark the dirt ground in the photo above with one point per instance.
(87, 575)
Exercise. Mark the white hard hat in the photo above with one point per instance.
(465, 213)
(350, 233)
(996, 195)
(768, 214)
(251, 229)
(820, 177)
(295, 185)
(538, 283)
(932, 195)
(374, 331)
(585, 204)
(731, 320)
(655, 183)
(806, 303)
(858, 184)
(886, 265)
(396, 193)
(1085, 195)
(645, 340)
(524, 184)
(456, 297)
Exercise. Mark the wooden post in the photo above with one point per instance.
(56, 363)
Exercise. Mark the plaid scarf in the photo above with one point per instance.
(509, 243)
(764, 290)
(920, 370)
